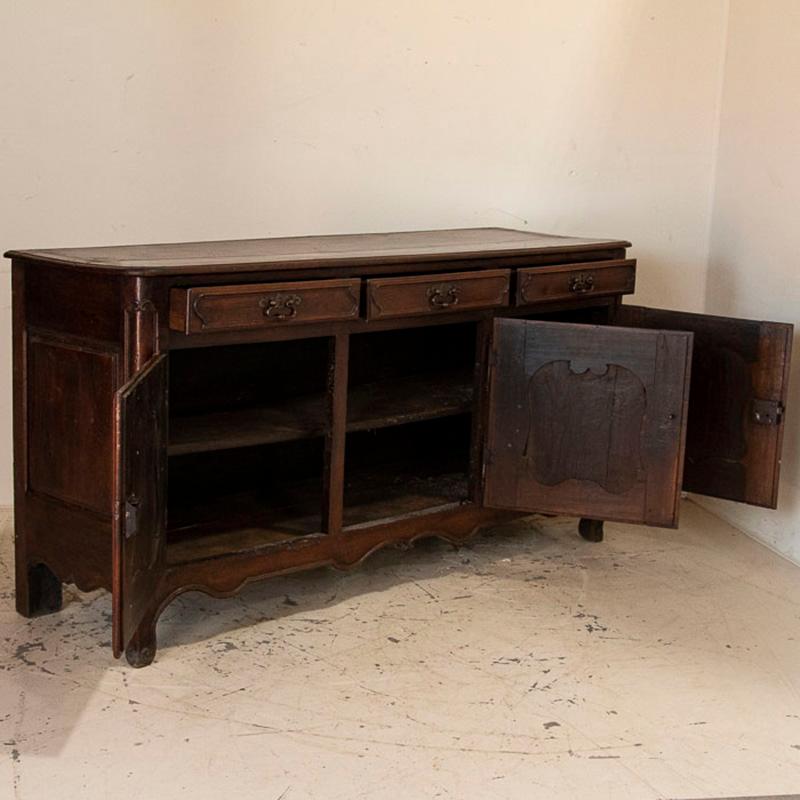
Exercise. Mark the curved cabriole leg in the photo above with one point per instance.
(142, 648)
(591, 529)
(39, 593)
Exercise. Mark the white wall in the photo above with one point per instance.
(159, 121)
(754, 262)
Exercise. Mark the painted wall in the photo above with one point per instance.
(163, 121)
(754, 260)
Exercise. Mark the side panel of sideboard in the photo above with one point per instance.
(68, 346)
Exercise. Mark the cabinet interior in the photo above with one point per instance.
(246, 446)
(248, 426)
(418, 458)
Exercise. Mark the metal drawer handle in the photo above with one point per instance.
(280, 306)
(580, 284)
(443, 296)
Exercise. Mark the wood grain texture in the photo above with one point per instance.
(301, 445)
(58, 299)
(74, 542)
(535, 285)
(736, 363)
(370, 406)
(69, 407)
(179, 341)
(335, 435)
(613, 457)
(423, 295)
(581, 419)
(139, 524)
(208, 309)
(305, 252)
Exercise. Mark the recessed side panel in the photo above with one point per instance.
(70, 419)
(587, 421)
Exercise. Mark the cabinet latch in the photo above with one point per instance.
(767, 412)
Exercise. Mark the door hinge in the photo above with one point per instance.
(767, 412)
(131, 516)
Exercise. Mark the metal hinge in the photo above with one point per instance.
(131, 516)
(767, 412)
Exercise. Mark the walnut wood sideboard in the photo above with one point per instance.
(196, 416)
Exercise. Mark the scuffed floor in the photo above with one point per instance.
(532, 664)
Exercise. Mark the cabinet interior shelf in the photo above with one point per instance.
(370, 406)
(250, 520)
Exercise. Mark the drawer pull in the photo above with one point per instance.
(580, 284)
(280, 306)
(440, 293)
(443, 297)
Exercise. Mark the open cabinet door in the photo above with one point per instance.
(587, 420)
(740, 377)
(139, 501)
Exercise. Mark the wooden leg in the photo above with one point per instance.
(591, 529)
(38, 591)
(142, 648)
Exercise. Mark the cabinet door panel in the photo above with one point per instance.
(739, 386)
(587, 420)
(139, 497)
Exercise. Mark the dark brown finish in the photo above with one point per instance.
(302, 428)
(307, 252)
(71, 385)
(44, 591)
(370, 406)
(208, 309)
(87, 309)
(140, 436)
(180, 341)
(25, 558)
(611, 278)
(423, 294)
(740, 382)
(335, 435)
(591, 529)
(587, 420)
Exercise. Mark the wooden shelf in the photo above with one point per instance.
(370, 406)
(247, 521)
(368, 500)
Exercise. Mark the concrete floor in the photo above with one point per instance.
(532, 664)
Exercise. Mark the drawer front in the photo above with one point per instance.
(206, 309)
(437, 294)
(540, 285)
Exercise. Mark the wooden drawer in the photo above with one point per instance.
(437, 294)
(539, 285)
(203, 309)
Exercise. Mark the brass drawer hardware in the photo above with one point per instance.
(443, 297)
(581, 284)
(280, 306)
(420, 295)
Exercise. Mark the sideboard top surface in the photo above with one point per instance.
(304, 252)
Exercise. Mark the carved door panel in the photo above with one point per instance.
(587, 420)
(139, 497)
(740, 377)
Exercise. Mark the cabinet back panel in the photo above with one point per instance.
(381, 356)
(240, 376)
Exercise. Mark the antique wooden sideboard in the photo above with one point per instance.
(195, 416)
